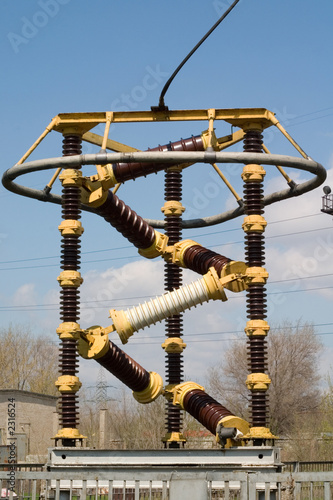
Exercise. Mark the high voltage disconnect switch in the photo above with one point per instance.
(219, 274)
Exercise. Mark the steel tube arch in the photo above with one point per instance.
(170, 158)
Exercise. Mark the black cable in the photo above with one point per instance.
(161, 104)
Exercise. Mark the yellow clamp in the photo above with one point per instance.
(69, 330)
(214, 285)
(96, 198)
(259, 433)
(70, 278)
(253, 173)
(176, 252)
(122, 325)
(256, 327)
(233, 276)
(171, 437)
(68, 383)
(210, 137)
(232, 421)
(179, 392)
(106, 176)
(157, 248)
(94, 342)
(256, 275)
(69, 433)
(168, 391)
(70, 226)
(95, 188)
(71, 177)
(172, 207)
(151, 392)
(258, 382)
(254, 224)
(174, 345)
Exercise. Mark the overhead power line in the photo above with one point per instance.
(54, 306)
(157, 339)
(136, 255)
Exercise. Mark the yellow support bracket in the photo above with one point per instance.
(171, 437)
(70, 278)
(231, 421)
(157, 248)
(39, 140)
(174, 345)
(121, 325)
(276, 122)
(179, 392)
(69, 433)
(215, 285)
(68, 383)
(211, 117)
(95, 188)
(256, 275)
(237, 117)
(280, 169)
(109, 118)
(253, 173)
(258, 327)
(234, 276)
(259, 433)
(71, 177)
(118, 147)
(151, 392)
(71, 226)
(173, 207)
(226, 182)
(94, 343)
(254, 224)
(53, 179)
(69, 330)
(258, 382)
(175, 253)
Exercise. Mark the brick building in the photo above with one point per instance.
(29, 419)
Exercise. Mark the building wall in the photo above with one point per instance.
(35, 421)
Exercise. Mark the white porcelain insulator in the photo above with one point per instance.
(167, 305)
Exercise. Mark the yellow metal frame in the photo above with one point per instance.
(237, 117)
(82, 123)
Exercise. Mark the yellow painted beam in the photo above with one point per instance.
(234, 116)
(110, 144)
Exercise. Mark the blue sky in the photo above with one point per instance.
(70, 56)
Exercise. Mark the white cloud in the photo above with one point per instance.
(25, 295)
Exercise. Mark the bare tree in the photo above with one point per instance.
(28, 362)
(132, 425)
(293, 367)
(311, 435)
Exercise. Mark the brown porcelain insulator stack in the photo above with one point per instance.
(200, 259)
(256, 293)
(95, 344)
(69, 295)
(205, 409)
(127, 222)
(172, 280)
(126, 171)
(125, 368)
